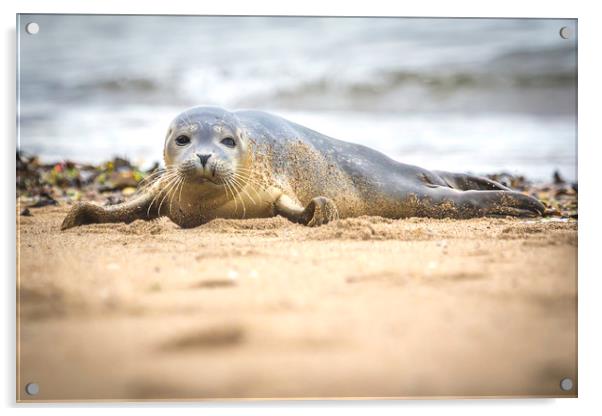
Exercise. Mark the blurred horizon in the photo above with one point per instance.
(470, 95)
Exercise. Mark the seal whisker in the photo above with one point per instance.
(159, 184)
(242, 188)
(180, 193)
(257, 194)
(152, 175)
(167, 183)
(227, 183)
(156, 174)
(175, 189)
(245, 173)
(169, 194)
(151, 179)
(252, 181)
(152, 202)
(233, 192)
(226, 190)
(237, 194)
(245, 170)
(168, 189)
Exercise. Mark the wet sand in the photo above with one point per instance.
(364, 307)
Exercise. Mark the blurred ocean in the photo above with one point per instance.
(470, 95)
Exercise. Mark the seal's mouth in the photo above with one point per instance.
(199, 176)
(205, 180)
(214, 174)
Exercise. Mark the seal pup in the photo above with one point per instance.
(251, 164)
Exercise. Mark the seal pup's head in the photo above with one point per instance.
(206, 146)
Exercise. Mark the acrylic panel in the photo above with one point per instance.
(234, 207)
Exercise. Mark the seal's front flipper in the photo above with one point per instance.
(88, 213)
(82, 213)
(470, 182)
(320, 210)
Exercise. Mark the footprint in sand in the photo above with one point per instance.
(226, 335)
(213, 284)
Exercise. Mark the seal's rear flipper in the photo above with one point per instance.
(494, 203)
(470, 182)
(470, 204)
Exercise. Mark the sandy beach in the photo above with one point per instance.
(263, 308)
(364, 307)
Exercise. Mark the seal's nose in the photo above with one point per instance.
(203, 158)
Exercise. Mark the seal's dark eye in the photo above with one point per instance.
(228, 141)
(182, 140)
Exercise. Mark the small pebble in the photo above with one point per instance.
(432, 265)
(26, 213)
